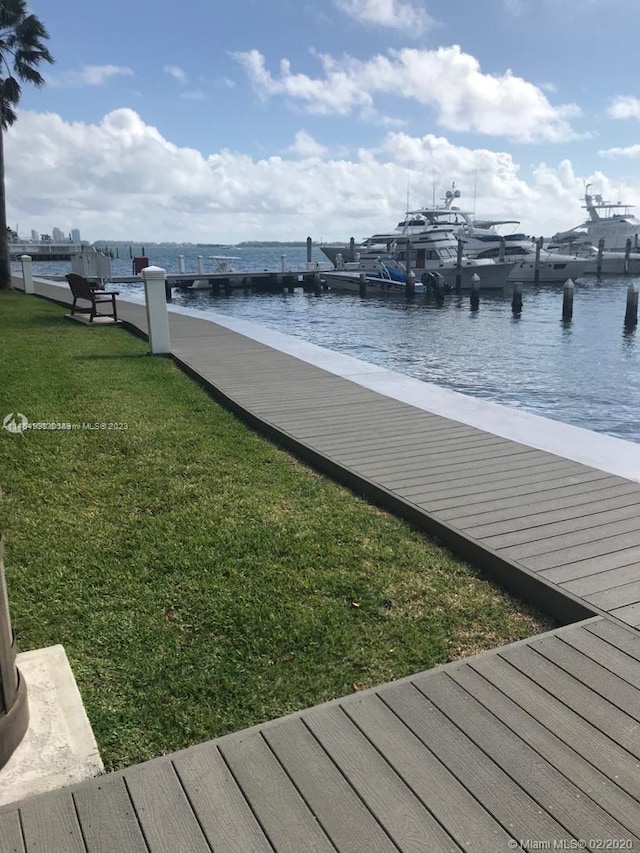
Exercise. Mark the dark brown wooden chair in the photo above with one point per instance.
(82, 289)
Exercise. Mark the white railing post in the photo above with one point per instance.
(27, 273)
(181, 267)
(200, 263)
(157, 315)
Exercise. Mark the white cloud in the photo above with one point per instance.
(176, 72)
(306, 146)
(446, 79)
(120, 178)
(631, 151)
(403, 15)
(514, 7)
(194, 95)
(624, 106)
(90, 75)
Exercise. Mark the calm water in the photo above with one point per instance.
(586, 373)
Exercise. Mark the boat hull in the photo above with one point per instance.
(549, 271)
(350, 282)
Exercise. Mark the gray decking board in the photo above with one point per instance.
(577, 749)
(222, 811)
(11, 833)
(461, 815)
(343, 815)
(577, 813)
(96, 806)
(544, 474)
(404, 817)
(619, 726)
(568, 571)
(615, 596)
(629, 614)
(52, 826)
(504, 800)
(284, 815)
(600, 581)
(519, 519)
(536, 497)
(572, 552)
(155, 792)
(451, 471)
(565, 534)
(622, 638)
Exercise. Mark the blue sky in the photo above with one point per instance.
(256, 120)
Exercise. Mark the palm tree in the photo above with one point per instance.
(22, 49)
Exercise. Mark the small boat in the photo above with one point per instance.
(381, 274)
(224, 266)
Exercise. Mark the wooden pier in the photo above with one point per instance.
(534, 743)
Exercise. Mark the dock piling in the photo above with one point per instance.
(157, 316)
(516, 299)
(536, 269)
(200, 263)
(567, 301)
(459, 266)
(317, 284)
(599, 258)
(502, 250)
(411, 284)
(627, 256)
(475, 291)
(631, 314)
(181, 267)
(363, 284)
(27, 273)
(352, 249)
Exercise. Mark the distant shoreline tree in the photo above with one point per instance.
(22, 49)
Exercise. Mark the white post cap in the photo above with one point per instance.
(25, 257)
(154, 272)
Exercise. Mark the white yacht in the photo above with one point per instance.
(611, 221)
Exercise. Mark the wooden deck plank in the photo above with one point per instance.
(609, 530)
(222, 811)
(458, 812)
(604, 770)
(50, 825)
(532, 513)
(507, 802)
(616, 596)
(395, 457)
(406, 820)
(611, 658)
(549, 528)
(438, 492)
(574, 569)
(600, 581)
(549, 559)
(360, 442)
(343, 816)
(538, 497)
(630, 614)
(283, 814)
(156, 792)
(618, 636)
(96, 805)
(608, 685)
(579, 814)
(496, 460)
(11, 833)
(579, 697)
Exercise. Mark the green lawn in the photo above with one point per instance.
(200, 579)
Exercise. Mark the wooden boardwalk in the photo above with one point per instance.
(538, 741)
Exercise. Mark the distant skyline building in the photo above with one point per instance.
(75, 235)
(35, 235)
(57, 235)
